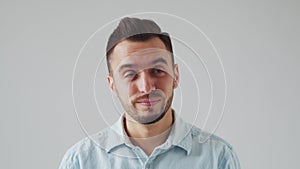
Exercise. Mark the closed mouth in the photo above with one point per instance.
(148, 102)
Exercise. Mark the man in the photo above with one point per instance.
(149, 134)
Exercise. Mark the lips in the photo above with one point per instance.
(148, 102)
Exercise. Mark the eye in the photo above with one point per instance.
(157, 72)
(130, 74)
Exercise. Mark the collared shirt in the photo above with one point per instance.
(186, 147)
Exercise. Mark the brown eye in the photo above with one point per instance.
(157, 72)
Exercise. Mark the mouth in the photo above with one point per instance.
(148, 102)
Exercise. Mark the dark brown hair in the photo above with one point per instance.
(136, 30)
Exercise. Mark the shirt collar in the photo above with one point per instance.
(116, 135)
(180, 135)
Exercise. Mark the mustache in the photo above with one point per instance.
(146, 96)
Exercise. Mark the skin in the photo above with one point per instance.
(143, 78)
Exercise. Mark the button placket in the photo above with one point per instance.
(147, 166)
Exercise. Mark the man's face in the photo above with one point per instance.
(143, 77)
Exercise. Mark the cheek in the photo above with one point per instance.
(132, 89)
(165, 85)
(126, 89)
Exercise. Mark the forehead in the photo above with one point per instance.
(128, 50)
(126, 47)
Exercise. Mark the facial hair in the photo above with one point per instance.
(163, 113)
(130, 111)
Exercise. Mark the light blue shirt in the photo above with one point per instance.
(187, 147)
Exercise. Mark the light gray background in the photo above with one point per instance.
(257, 40)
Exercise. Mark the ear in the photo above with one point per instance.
(111, 84)
(176, 76)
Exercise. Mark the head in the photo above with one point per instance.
(141, 67)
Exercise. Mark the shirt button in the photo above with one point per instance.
(147, 166)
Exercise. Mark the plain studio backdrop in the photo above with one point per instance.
(258, 42)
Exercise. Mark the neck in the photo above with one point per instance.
(149, 136)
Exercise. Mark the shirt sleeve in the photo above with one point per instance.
(229, 159)
(69, 161)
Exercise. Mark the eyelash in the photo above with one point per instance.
(130, 74)
(157, 70)
(154, 71)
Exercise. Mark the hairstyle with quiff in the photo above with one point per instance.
(136, 30)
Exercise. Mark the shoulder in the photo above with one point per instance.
(83, 150)
(214, 147)
(204, 137)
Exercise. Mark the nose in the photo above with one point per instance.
(145, 82)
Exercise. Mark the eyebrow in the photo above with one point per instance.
(159, 60)
(126, 66)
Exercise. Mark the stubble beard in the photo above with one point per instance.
(146, 120)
